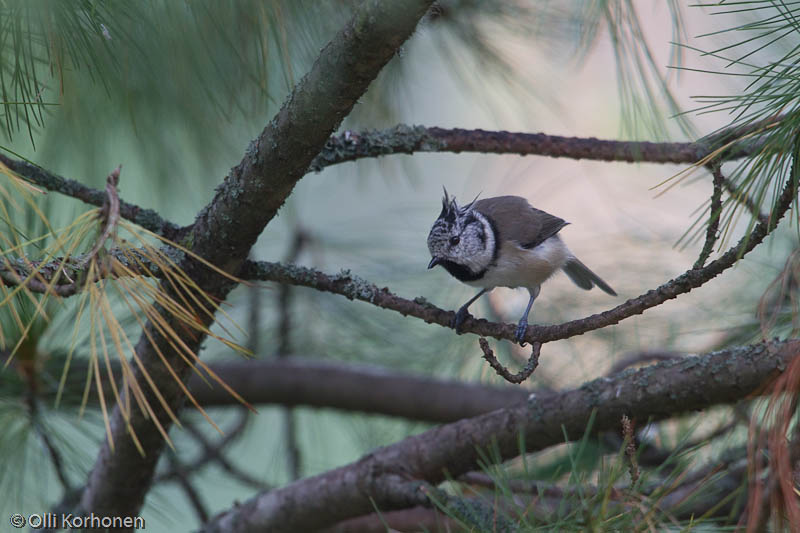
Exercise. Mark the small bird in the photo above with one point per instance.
(503, 242)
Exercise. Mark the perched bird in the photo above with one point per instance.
(503, 242)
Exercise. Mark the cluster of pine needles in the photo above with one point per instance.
(140, 272)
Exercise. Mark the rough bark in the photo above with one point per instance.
(660, 391)
(244, 203)
(403, 139)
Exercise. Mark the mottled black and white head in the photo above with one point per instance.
(462, 240)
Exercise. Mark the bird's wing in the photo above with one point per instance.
(515, 220)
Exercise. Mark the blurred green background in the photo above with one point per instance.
(175, 91)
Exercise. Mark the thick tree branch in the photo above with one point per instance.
(657, 392)
(225, 230)
(310, 383)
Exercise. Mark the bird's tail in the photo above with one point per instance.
(585, 278)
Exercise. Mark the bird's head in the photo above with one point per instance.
(461, 239)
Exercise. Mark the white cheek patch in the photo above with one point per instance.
(481, 252)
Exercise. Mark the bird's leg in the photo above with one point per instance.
(522, 326)
(462, 313)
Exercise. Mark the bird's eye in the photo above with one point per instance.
(455, 240)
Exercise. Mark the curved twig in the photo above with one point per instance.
(713, 218)
(522, 375)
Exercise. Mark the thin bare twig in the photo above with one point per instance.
(109, 214)
(213, 452)
(744, 199)
(520, 376)
(713, 218)
(43, 434)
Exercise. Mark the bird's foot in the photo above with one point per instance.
(461, 316)
(522, 327)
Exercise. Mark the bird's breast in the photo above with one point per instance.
(516, 266)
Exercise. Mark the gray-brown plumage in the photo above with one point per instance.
(504, 242)
(521, 222)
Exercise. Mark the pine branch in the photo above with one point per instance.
(229, 225)
(713, 218)
(660, 391)
(146, 218)
(403, 139)
(356, 288)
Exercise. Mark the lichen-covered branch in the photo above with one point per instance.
(660, 391)
(58, 275)
(355, 288)
(713, 218)
(146, 218)
(402, 139)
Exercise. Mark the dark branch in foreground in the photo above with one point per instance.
(656, 392)
(311, 383)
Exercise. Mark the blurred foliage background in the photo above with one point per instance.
(174, 91)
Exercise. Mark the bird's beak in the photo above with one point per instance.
(435, 261)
